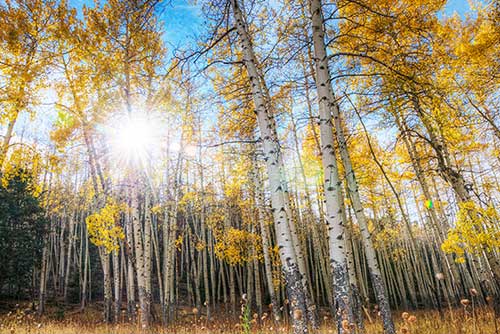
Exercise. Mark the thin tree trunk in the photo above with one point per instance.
(147, 251)
(260, 213)
(85, 269)
(139, 257)
(116, 284)
(108, 294)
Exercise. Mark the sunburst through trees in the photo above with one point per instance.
(249, 166)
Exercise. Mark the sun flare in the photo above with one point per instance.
(134, 138)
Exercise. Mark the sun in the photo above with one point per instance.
(135, 136)
(133, 139)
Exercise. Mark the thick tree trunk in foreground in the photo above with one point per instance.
(333, 203)
(371, 256)
(277, 182)
(327, 99)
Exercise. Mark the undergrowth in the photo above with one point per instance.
(455, 321)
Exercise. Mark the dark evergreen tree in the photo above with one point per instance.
(22, 226)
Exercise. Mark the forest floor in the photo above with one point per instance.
(58, 321)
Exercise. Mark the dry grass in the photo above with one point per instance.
(458, 321)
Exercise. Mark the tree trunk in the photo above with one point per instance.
(259, 203)
(147, 251)
(116, 284)
(334, 221)
(43, 279)
(6, 141)
(327, 98)
(131, 310)
(108, 294)
(139, 256)
(277, 182)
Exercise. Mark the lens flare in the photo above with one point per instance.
(134, 139)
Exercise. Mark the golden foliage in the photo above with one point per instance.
(103, 226)
(476, 230)
(23, 162)
(238, 246)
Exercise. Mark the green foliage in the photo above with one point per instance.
(22, 226)
(245, 318)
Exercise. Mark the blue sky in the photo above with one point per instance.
(459, 6)
(182, 19)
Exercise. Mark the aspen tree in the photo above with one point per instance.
(331, 109)
(25, 31)
(260, 213)
(334, 221)
(275, 169)
(425, 93)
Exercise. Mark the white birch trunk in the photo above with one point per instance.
(147, 250)
(139, 257)
(334, 209)
(328, 100)
(116, 285)
(275, 169)
(130, 268)
(108, 294)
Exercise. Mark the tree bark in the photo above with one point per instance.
(327, 98)
(332, 183)
(139, 256)
(277, 182)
